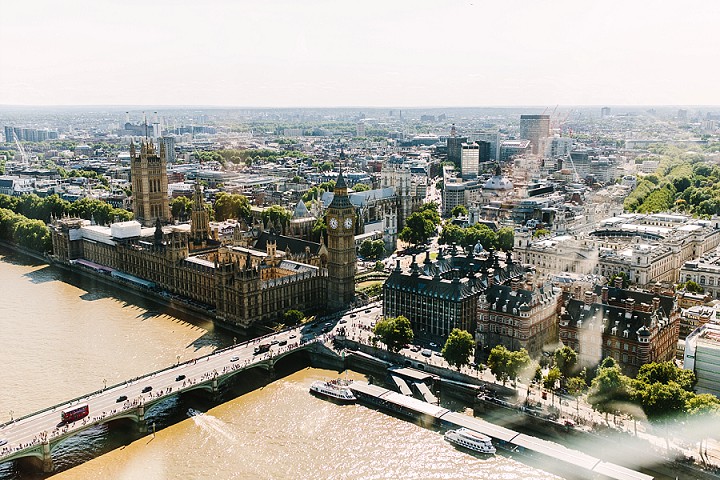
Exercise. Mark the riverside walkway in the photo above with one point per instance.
(37, 434)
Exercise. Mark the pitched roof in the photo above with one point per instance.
(296, 245)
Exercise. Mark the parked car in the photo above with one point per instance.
(179, 377)
(146, 389)
(121, 398)
(234, 359)
(426, 353)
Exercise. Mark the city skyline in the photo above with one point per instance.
(323, 54)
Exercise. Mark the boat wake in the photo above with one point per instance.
(210, 425)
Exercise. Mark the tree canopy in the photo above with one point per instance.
(458, 347)
(372, 248)
(507, 365)
(395, 332)
(231, 205)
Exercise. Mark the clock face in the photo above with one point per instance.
(333, 223)
(348, 223)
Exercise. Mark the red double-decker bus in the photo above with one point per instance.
(74, 413)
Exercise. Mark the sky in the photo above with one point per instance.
(401, 53)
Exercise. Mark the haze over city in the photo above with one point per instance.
(323, 53)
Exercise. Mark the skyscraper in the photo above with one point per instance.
(535, 128)
(470, 160)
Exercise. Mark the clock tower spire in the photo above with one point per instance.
(340, 220)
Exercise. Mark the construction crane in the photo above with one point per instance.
(21, 149)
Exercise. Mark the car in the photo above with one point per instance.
(179, 377)
(275, 342)
(433, 345)
(353, 315)
(2, 442)
(146, 389)
(415, 348)
(282, 342)
(426, 353)
(437, 354)
(234, 359)
(293, 336)
(121, 398)
(367, 311)
(342, 321)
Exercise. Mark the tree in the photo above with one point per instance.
(499, 362)
(293, 317)
(276, 213)
(395, 332)
(459, 211)
(661, 403)
(541, 232)
(418, 228)
(231, 205)
(576, 386)
(691, 287)
(666, 372)
(430, 211)
(372, 248)
(379, 266)
(703, 411)
(550, 380)
(505, 239)
(452, 234)
(326, 166)
(360, 187)
(608, 389)
(566, 361)
(458, 347)
(180, 207)
(480, 233)
(506, 365)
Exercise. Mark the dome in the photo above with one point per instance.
(497, 182)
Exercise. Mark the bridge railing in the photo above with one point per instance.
(170, 367)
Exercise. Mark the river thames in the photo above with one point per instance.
(63, 335)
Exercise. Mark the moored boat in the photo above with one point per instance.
(194, 413)
(335, 390)
(470, 439)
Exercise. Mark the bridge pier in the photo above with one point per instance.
(47, 462)
(271, 370)
(142, 425)
(215, 390)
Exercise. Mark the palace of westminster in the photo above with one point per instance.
(242, 285)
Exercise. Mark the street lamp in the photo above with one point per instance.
(11, 415)
(178, 359)
(104, 383)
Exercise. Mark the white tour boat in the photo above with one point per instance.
(194, 413)
(470, 439)
(336, 390)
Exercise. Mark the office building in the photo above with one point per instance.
(535, 128)
(469, 160)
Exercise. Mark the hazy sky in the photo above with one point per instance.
(362, 53)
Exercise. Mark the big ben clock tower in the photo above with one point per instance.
(340, 221)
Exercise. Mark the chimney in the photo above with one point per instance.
(515, 284)
(618, 282)
(605, 295)
(656, 303)
(629, 304)
(656, 288)
(588, 298)
(490, 277)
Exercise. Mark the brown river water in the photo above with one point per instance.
(63, 335)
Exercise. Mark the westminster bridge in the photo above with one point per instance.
(37, 434)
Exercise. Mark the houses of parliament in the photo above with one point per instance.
(244, 286)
